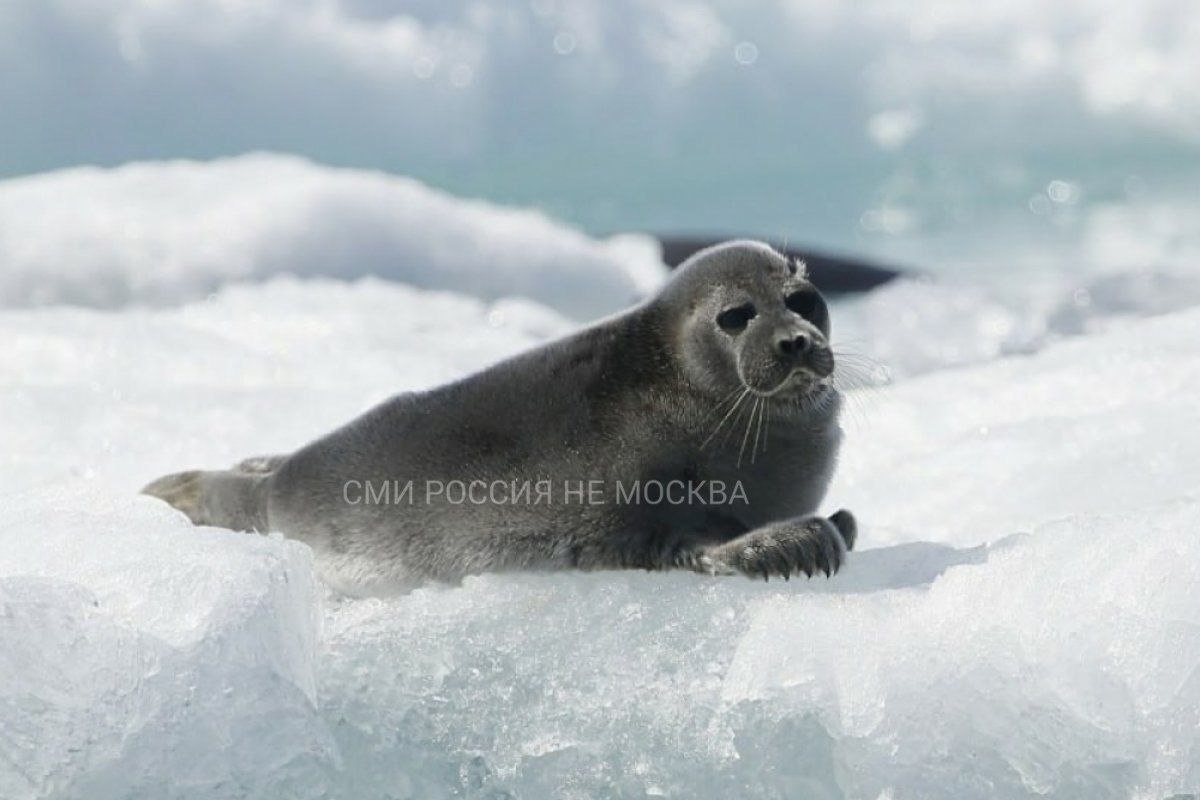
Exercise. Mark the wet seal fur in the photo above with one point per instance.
(724, 376)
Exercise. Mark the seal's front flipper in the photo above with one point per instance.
(808, 545)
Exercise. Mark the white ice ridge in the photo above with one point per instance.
(1022, 622)
(166, 232)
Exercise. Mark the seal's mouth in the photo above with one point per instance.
(787, 372)
(800, 382)
(819, 362)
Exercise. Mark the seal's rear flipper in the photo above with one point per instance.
(260, 465)
(226, 499)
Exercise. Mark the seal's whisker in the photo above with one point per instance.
(733, 427)
(857, 359)
(749, 423)
(716, 409)
(758, 430)
(870, 372)
(767, 430)
(728, 414)
(856, 410)
(847, 377)
(872, 369)
(855, 341)
(856, 371)
(856, 386)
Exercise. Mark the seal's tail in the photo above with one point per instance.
(225, 498)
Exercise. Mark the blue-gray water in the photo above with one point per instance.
(1007, 137)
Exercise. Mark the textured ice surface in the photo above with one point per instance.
(139, 658)
(171, 231)
(1027, 623)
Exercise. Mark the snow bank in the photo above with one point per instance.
(1102, 423)
(1025, 625)
(173, 231)
(119, 398)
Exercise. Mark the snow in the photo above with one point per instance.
(1021, 622)
(167, 232)
(915, 325)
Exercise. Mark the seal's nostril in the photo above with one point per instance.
(795, 346)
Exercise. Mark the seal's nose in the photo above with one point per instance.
(795, 346)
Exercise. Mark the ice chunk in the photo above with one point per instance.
(1065, 665)
(1057, 662)
(141, 657)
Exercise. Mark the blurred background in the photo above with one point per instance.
(990, 136)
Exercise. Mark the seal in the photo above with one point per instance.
(697, 430)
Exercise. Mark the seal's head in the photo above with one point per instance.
(744, 315)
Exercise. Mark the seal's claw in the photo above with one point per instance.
(844, 521)
(805, 545)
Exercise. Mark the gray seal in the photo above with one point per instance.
(698, 430)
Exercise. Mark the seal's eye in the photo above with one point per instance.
(810, 305)
(735, 320)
